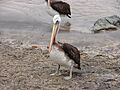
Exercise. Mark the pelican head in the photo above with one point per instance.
(56, 19)
(55, 29)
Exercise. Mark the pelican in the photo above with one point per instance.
(63, 54)
(58, 7)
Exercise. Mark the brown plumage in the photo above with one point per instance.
(61, 7)
(72, 52)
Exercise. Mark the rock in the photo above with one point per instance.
(114, 20)
(110, 23)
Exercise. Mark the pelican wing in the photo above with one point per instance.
(72, 52)
(61, 7)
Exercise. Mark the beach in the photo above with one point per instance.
(25, 34)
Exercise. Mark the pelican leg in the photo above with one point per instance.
(57, 71)
(70, 76)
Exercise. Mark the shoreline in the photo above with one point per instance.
(25, 24)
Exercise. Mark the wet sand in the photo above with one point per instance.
(25, 68)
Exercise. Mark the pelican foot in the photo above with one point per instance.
(59, 74)
(53, 74)
(67, 78)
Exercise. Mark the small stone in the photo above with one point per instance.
(33, 47)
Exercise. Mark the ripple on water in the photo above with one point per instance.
(84, 12)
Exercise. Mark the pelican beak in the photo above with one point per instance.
(55, 29)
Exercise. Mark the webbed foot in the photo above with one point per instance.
(56, 73)
(67, 78)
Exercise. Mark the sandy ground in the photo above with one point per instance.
(25, 68)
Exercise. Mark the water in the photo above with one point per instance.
(84, 12)
(32, 16)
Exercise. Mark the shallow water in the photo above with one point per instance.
(84, 12)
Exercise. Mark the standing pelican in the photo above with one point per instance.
(58, 7)
(63, 53)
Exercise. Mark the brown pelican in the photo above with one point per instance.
(63, 53)
(58, 7)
